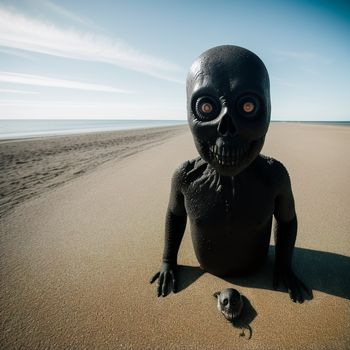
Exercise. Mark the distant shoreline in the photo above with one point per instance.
(343, 123)
(27, 129)
(18, 129)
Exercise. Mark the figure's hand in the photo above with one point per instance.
(293, 284)
(166, 278)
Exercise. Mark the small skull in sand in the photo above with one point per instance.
(230, 303)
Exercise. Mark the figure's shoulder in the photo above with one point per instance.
(182, 170)
(189, 170)
(272, 164)
(273, 171)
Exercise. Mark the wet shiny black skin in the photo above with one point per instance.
(231, 192)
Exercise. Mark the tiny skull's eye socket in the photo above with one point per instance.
(249, 106)
(206, 108)
(225, 301)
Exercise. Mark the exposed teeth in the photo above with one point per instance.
(227, 156)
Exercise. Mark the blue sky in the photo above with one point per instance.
(129, 59)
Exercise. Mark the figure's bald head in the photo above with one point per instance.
(227, 66)
(228, 104)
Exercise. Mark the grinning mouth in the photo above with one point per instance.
(228, 156)
(229, 315)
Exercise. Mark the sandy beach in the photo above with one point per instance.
(82, 232)
(32, 166)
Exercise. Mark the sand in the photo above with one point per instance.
(76, 259)
(32, 166)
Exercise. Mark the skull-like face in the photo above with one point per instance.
(228, 103)
(229, 303)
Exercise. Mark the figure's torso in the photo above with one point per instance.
(230, 218)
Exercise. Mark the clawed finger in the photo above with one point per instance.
(297, 292)
(289, 287)
(174, 281)
(294, 290)
(154, 277)
(165, 284)
(300, 294)
(160, 283)
(291, 295)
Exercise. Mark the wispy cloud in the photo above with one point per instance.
(302, 56)
(14, 91)
(21, 32)
(63, 12)
(39, 80)
(15, 52)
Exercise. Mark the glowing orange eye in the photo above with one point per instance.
(248, 107)
(206, 107)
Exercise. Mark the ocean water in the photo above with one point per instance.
(26, 128)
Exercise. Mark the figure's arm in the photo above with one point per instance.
(175, 224)
(174, 230)
(285, 236)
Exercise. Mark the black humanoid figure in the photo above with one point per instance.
(230, 192)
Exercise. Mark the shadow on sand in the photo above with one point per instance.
(322, 271)
(247, 317)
